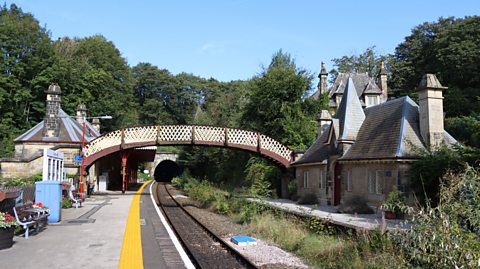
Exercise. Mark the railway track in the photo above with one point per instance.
(205, 248)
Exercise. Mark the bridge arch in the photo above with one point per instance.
(142, 136)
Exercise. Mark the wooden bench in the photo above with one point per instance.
(27, 216)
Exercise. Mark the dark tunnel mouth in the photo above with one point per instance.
(166, 170)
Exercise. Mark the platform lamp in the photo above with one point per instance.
(82, 166)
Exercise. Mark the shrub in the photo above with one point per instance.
(308, 199)
(293, 189)
(396, 203)
(66, 203)
(260, 174)
(355, 204)
(447, 236)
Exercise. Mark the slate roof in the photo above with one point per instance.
(363, 84)
(350, 113)
(361, 80)
(390, 131)
(70, 132)
(318, 152)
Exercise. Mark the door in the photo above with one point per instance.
(337, 186)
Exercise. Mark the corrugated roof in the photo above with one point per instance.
(70, 131)
(350, 113)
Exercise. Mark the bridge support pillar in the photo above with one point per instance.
(124, 156)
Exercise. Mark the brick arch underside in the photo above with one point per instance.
(90, 160)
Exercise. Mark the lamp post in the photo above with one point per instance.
(82, 166)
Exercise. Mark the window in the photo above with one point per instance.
(349, 181)
(323, 180)
(371, 100)
(305, 179)
(379, 182)
(375, 181)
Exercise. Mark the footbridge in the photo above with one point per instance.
(144, 136)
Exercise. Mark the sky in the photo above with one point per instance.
(233, 39)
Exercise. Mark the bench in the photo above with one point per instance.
(27, 216)
(76, 199)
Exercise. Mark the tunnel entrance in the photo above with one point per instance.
(166, 171)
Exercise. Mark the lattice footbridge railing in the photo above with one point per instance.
(184, 135)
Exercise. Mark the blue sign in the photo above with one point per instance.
(77, 158)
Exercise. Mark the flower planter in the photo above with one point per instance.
(6, 237)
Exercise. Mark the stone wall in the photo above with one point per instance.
(26, 163)
(315, 174)
(373, 180)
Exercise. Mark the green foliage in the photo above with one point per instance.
(448, 48)
(24, 181)
(426, 172)
(260, 174)
(66, 203)
(447, 236)
(465, 129)
(396, 203)
(26, 57)
(292, 189)
(275, 105)
(366, 62)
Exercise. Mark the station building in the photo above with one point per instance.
(367, 146)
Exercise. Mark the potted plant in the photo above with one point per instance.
(394, 206)
(7, 229)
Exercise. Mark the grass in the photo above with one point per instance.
(313, 240)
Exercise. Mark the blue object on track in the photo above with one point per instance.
(243, 240)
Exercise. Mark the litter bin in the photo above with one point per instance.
(50, 194)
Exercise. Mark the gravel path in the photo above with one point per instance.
(263, 254)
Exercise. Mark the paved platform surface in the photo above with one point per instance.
(107, 229)
(364, 221)
(87, 237)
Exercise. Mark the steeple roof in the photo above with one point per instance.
(350, 113)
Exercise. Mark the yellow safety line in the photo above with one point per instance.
(131, 256)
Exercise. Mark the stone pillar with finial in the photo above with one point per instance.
(382, 82)
(322, 83)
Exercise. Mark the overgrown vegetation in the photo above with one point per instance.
(426, 172)
(315, 240)
(22, 181)
(447, 235)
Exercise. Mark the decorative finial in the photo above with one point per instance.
(323, 71)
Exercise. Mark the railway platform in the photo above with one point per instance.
(110, 230)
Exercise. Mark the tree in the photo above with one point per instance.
(27, 52)
(92, 71)
(275, 106)
(448, 48)
(366, 62)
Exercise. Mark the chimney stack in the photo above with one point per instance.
(81, 113)
(96, 124)
(324, 120)
(430, 98)
(51, 126)
(322, 84)
(382, 82)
